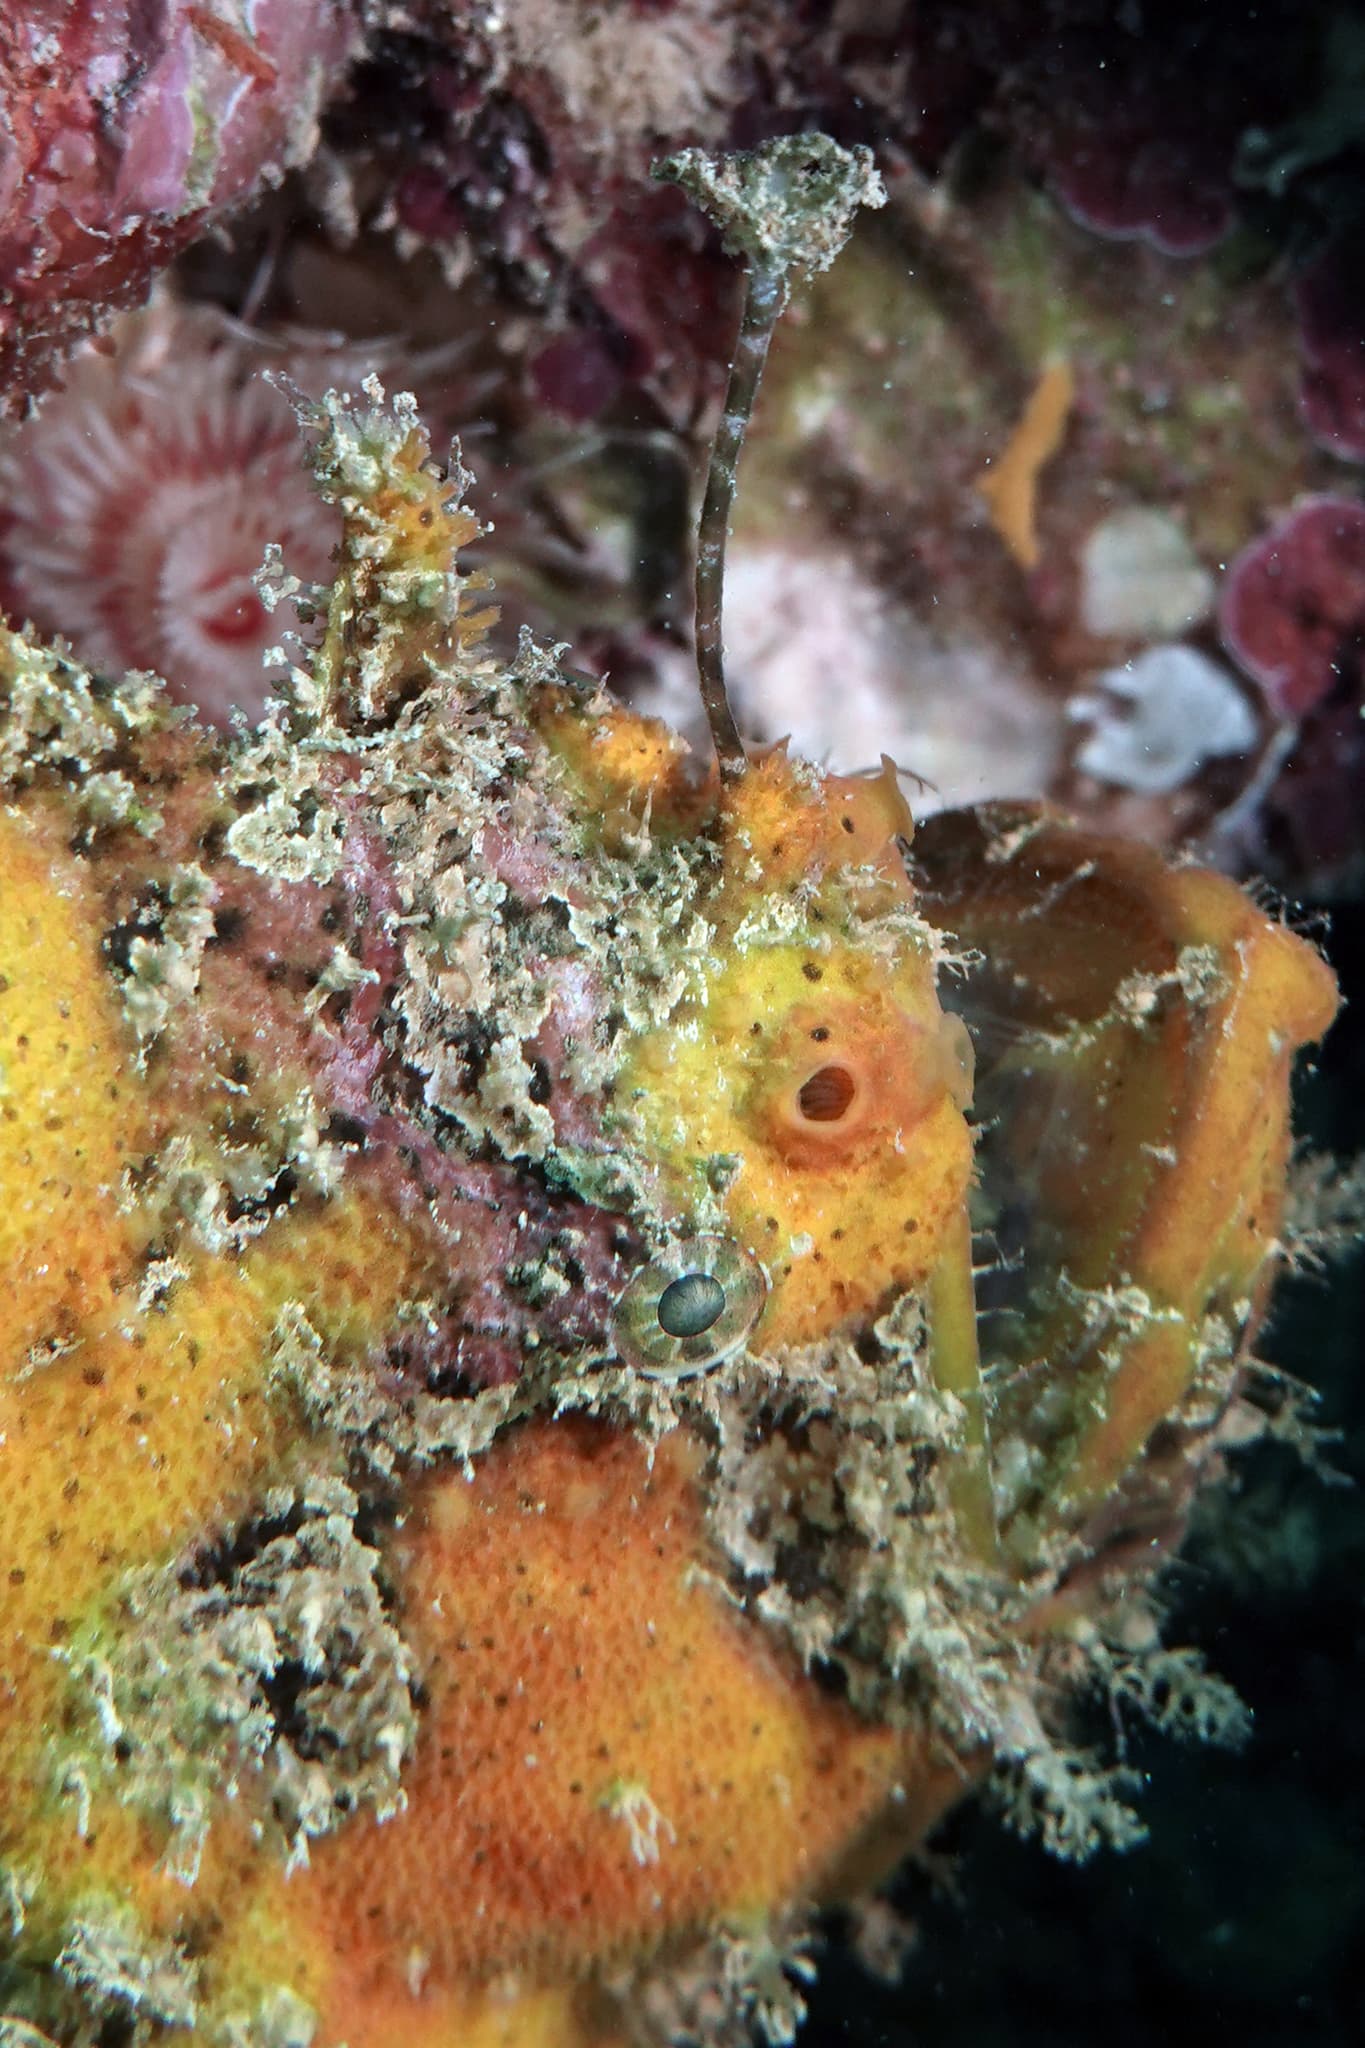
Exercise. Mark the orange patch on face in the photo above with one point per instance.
(783, 822)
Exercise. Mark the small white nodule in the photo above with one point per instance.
(1161, 717)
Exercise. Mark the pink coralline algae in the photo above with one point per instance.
(1293, 614)
(136, 508)
(1136, 145)
(1293, 605)
(1331, 314)
(123, 129)
(1164, 190)
(1132, 126)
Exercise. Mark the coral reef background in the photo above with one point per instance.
(1121, 281)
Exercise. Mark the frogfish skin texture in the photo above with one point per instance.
(422, 1619)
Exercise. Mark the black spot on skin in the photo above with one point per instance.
(345, 1130)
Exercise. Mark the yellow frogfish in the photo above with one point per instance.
(504, 1507)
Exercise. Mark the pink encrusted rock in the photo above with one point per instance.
(1136, 136)
(1314, 818)
(1131, 160)
(1170, 191)
(123, 129)
(577, 375)
(1292, 611)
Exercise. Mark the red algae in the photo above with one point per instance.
(1292, 611)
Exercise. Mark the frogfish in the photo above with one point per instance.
(588, 1338)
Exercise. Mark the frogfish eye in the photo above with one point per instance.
(690, 1304)
(690, 1308)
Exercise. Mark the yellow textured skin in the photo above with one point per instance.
(145, 1428)
(840, 1213)
(125, 1432)
(69, 1114)
(843, 1210)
